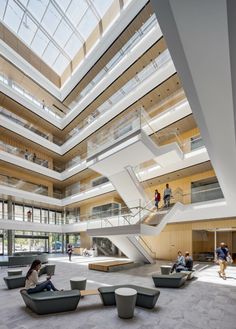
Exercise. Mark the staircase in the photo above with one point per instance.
(116, 160)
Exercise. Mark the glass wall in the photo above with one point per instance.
(73, 239)
(30, 242)
(110, 209)
(205, 190)
(204, 243)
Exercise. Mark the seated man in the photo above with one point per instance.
(188, 266)
(188, 261)
(179, 262)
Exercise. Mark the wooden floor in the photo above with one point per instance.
(107, 266)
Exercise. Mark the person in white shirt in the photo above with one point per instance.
(32, 283)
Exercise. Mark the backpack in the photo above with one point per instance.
(158, 196)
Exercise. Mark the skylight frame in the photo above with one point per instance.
(43, 23)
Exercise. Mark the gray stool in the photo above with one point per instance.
(14, 272)
(125, 302)
(165, 269)
(78, 283)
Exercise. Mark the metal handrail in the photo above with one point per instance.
(138, 237)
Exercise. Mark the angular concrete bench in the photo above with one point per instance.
(190, 274)
(48, 269)
(47, 302)
(146, 297)
(174, 280)
(16, 281)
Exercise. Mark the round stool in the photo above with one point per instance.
(165, 269)
(125, 302)
(14, 272)
(78, 283)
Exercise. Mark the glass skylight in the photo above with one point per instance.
(53, 29)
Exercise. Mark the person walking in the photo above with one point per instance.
(167, 196)
(69, 251)
(221, 256)
(32, 284)
(157, 198)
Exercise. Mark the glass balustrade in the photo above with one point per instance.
(23, 154)
(120, 217)
(130, 44)
(142, 213)
(146, 27)
(101, 110)
(23, 185)
(117, 96)
(4, 79)
(110, 136)
(24, 123)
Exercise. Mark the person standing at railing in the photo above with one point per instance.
(167, 196)
(27, 154)
(34, 157)
(29, 215)
(157, 198)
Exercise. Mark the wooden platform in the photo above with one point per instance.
(108, 266)
(89, 292)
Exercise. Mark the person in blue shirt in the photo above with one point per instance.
(221, 255)
(180, 261)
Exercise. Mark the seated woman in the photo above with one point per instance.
(32, 283)
(179, 262)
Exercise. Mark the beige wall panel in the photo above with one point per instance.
(85, 240)
(179, 237)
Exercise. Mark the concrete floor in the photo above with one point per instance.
(206, 302)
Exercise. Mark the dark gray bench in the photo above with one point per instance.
(16, 281)
(146, 297)
(22, 260)
(174, 280)
(47, 302)
(48, 269)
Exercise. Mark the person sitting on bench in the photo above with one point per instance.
(179, 261)
(32, 283)
(188, 263)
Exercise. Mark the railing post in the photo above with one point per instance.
(139, 211)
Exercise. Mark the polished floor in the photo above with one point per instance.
(206, 302)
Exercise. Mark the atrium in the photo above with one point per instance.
(118, 145)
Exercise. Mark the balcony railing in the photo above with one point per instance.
(23, 185)
(125, 90)
(4, 79)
